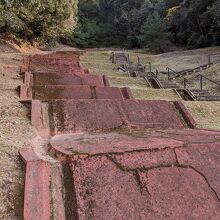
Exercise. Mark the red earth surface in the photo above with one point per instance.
(101, 154)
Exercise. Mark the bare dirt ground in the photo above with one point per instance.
(15, 132)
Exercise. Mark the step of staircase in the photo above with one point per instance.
(200, 92)
(168, 84)
(208, 98)
(76, 92)
(53, 78)
(204, 95)
(170, 87)
(92, 115)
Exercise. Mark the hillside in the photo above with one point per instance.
(100, 152)
(99, 62)
(16, 130)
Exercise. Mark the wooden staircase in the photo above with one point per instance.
(173, 74)
(166, 84)
(120, 58)
(197, 95)
(138, 70)
(156, 83)
(204, 95)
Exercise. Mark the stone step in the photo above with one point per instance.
(65, 116)
(62, 62)
(73, 92)
(46, 78)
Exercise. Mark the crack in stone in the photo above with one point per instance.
(142, 186)
(199, 172)
(134, 173)
(177, 164)
(150, 150)
(142, 169)
(118, 165)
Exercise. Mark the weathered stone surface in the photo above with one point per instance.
(193, 136)
(61, 92)
(67, 79)
(145, 159)
(76, 92)
(133, 140)
(53, 62)
(154, 114)
(149, 167)
(37, 198)
(205, 158)
(94, 80)
(92, 115)
(103, 191)
(108, 93)
(113, 142)
(181, 193)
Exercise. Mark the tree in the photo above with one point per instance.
(195, 23)
(154, 34)
(37, 19)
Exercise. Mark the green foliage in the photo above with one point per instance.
(37, 19)
(133, 24)
(115, 22)
(154, 34)
(94, 34)
(196, 23)
(120, 23)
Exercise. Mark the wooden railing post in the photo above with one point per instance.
(128, 56)
(138, 60)
(150, 67)
(209, 60)
(201, 82)
(168, 72)
(184, 83)
(157, 72)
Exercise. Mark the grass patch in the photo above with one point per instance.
(206, 114)
(156, 94)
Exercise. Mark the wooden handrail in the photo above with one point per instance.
(211, 55)
(168, 72)
(201, 81)
(211, 80)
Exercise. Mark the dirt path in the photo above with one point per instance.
(15, 131)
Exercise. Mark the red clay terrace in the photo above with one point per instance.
(102, 154)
